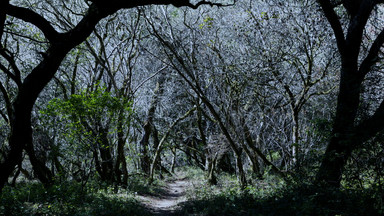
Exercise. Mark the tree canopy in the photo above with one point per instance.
(107, 90)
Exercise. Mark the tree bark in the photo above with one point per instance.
(212, 180)
(162, 141)
(345, 135)
(342, 141)
(121, 163)
(145, 160)
(174, 155)
(295, 136)
(59, 45)
(33, 84)
(42, 172)
(105, 150)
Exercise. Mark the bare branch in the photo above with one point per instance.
(332, 18)
(372, 56)
(118, 4)
(211, 4)
(34, 18)
(370, 127)
(3, 12)
(356, 28)
(176, 3)
(8, 104)
(150, 77)
(16, 76)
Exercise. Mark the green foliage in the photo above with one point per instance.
(322, 128)
(268, 197)
(207, 22)
(272, 196)
(69, 198)
(94, 104)
(138, 184)
(365, 168)
(191, 172)
(298, 200)
(84, 114)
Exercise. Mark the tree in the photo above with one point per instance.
(292, 46)
(358, 58)
(182, 59)
(93, 121)
(58, 44)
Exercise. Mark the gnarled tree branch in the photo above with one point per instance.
(372, 56)
(334, 21)
(34, 18)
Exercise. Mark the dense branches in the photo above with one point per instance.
(90, 90)
(348, 135)
(35, 81)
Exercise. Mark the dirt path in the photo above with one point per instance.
(166, 203)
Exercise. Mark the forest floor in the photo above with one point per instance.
(187, 193)
(166, 201)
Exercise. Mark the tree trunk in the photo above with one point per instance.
(295, 136)
(33, 84)
(241, 173)
(145, 160)
(105, 150)
(21, 134)
(159, 147)
(212, 180)
(144, 143)
(42, 172)
(346, 134)
(97, 163)
(121, 163)
(208, 157)
(156, 143)
(252, 146)
(59, 168)
(335, 158)
(254, 162)
(173, 149)
(342, 141)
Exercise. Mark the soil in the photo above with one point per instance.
(166, 203)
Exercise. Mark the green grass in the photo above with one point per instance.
(293, 201)
(267, 197)
(140, 185)
(68, 199)
(273, 196)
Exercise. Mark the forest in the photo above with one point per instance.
(191, 107)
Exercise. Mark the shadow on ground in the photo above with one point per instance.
(167, 201)
(298, 201)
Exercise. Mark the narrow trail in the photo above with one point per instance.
(166, 203)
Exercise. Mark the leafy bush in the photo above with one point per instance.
(67, 199)
(139, 184)
(274, 197)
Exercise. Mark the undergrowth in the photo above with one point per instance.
(273, 196)
(267, 197)
(71, 198)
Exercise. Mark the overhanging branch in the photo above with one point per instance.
(372, 56)
(3, 12)
(119, 4)
(371, 126)
(34, 18)
(333, 19)
(208, 3)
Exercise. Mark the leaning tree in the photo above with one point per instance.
(359, 34)
(29, 84)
